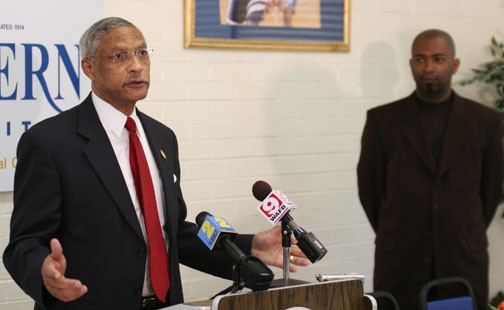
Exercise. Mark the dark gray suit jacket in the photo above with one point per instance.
(430, 219)
(68, 185)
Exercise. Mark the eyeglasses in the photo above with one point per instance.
(125, 57)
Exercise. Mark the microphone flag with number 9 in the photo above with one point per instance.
(275, 206)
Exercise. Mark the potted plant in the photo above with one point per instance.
(492, 73)
(497, 303)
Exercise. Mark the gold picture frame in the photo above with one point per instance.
(216, 24)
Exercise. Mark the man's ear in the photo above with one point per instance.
(87, 67)
(456, 64)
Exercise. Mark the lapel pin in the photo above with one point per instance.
(162, 153)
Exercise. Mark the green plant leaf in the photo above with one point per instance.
(491, 73)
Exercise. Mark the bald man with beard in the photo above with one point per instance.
(430, 179)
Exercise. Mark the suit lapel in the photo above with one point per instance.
(155, 145)
(415, 134)
(101, 155)
(455, 135)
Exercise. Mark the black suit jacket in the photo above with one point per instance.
(68, 185)
(430, 218)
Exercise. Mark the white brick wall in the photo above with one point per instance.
(292, 119)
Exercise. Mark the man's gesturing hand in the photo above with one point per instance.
(53, 274)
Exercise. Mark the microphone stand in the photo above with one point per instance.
(286, 245)
(248, 271)
(238, 283)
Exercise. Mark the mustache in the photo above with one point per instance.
(429, 78)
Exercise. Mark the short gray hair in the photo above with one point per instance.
(90, 39)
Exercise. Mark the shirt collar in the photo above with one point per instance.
(111, 118)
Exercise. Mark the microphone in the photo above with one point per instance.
(275, 206)
(216, 231)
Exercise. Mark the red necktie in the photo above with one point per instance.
(145, 191)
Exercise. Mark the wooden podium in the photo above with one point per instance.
(330, 295)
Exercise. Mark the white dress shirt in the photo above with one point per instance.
(113, 121)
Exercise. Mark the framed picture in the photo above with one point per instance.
(289, 25)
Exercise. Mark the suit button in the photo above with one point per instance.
(142, 252)
(435, 206)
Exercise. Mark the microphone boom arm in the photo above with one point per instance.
(248, 271)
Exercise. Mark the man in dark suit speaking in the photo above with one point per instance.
(430, 179)
(99, 221)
